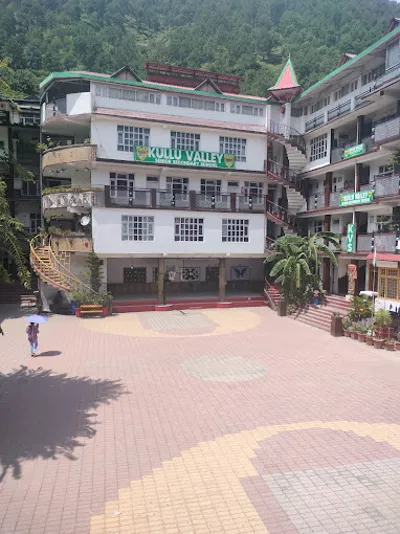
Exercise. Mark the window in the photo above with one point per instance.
(178, 186)
(152, 180)
(185, 141)
(318, 226)
(29, 119)
(318, 147)
(134, 275)
(233, 184)
(353, 86)
(30, 189)
(388, 283)
(373, 74)
(128, 94)
(195, 103)
(393, 57)
(190, 274)
(129, 136)
(247, 110)
(383, 223)
(188, 229)
(121, 184)
(235, 230)
(233, 145)
(316, 107)
(137, 228)
(210, 187)
(254, 189)
(34, 223)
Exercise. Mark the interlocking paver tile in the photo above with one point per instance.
(225, 421)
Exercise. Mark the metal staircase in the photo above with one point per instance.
(50, 269)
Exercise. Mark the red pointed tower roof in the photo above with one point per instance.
(287, 86)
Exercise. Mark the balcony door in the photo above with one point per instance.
(121, 185)
(210, 188)
(178, 187)
(253, 190)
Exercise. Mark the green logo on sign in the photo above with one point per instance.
(190, 158)
(351, 238)
(356, 150)
(359, 197)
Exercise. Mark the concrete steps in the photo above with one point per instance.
(320, 316)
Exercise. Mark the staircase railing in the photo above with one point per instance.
(292, 135)
(284, 173)
(281, 215)
(267, 292)
(54, 273)
(269, 242)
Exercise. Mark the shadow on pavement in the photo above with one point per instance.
(44, 415)
(48, 353)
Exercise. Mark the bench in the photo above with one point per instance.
(28, 301)
(90, 309)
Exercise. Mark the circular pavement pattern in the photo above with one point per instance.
(223, 368)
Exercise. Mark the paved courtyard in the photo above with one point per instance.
(216, 421)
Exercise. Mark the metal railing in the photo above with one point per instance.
(316, 201)
(57, 107)
(387, 185)
(280, 214)
(384, 242)
(339, 110)
(169, 199)
(283, 172)
(209, 201)
(315, 122)
(387, 128)
(292, 135)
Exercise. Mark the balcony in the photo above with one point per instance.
(81, 155)
(352, 149)
(315, 122)
(192, 200)
(384, 242)
(316, 201)
(71, 104)
(387, 185)
(386, 129)
(72, 243)
(71, 198)
(339, 110)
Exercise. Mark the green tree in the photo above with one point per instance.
(295, 262)
(11, 235)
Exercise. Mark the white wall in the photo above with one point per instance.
(79, 103)
(107, 233)
(163, 108)
(104, 135)
(115, 267)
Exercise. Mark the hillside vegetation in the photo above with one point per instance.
(248, 37)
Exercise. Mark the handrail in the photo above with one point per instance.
(283, 172)
(292, 135)
(266, 292)
(42, 266)
(281, 214)
(66, 272)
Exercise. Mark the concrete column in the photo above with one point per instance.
(222, 279)
(326, 263)
(360, 128)
(328, 188)
(103, 287)
(160, 281)
(357, 175)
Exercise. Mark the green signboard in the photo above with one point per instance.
(191, 158)
(351, 238)
(356, 150)
(359, 197)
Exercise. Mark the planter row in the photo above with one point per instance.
(377, 342)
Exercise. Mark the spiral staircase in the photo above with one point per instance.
(53, 269)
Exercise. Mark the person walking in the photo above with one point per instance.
(33, 337)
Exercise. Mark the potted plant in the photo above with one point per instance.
(382, 322)
(346, 324)
(354, 332)
(390, 344)
(378, 342)
(362, 334)
(370, 335)
(397, 342)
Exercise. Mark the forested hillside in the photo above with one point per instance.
(248, 37)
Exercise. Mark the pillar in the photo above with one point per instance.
(358, 170)
(160, 281)
(360, 128)
(328, 188)
(222, 279)
(326, 262)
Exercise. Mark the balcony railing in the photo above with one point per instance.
(339, 110)
(387, 185)
(285, 131)
(384, 242)
(283, 173)
(57, 107)
(388, 128)
(191, 200)
(316, 201)
(69, 154)
(72, 243)
(281, 215)
(338, 154)
(73, 199)
(315, 122)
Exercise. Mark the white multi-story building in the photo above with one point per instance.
(162, 176)
(336, 169)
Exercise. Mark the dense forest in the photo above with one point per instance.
(248, 37)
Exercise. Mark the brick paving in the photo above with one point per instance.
(215, 421)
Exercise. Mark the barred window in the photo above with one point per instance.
(195, 103)
(389, 283)
(189, 229)
(247, 110)
(137, 228)
(235, 230)
(129, 136)
(185, 141)
(233, 145)
(318, 147)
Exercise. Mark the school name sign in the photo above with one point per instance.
(191, 158)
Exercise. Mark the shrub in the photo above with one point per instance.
(383, 319)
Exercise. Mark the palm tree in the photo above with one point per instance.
(11, 233)
(295, 262)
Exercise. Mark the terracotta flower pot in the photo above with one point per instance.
(378, 343)
(397, 344)
(370, 340)
(346, 333)
(354, 335)
(390, 346)
(105, 312)
(361, 336)
(77, 312)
